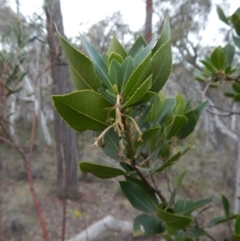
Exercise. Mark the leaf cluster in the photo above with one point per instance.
(119, 96)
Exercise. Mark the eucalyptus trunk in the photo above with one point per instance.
(67, 177)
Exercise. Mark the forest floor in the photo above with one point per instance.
(209, 174)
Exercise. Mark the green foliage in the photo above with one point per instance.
(119, 96)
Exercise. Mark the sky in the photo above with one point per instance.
(89, 12)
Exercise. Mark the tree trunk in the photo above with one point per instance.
(67, 178)
(148, 22)
(236, 208)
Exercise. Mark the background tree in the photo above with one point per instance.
(67, 177)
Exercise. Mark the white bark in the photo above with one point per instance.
(109, 223)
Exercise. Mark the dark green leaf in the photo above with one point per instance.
(140, 42)
(115, 46)
(180, 105)
(98, 63)
(127, 69)
(236, 87)
(151, 194)
(159, 110)
(222, 15)
(161, 66)
(173, 221)
(165, 36)
(115, 73)
(226, 206)
(209, 66)
(82, 71)
(115, 56)
(82, 110)
(146, 98)
(100, 170)
(111, 144)
(137, 197)
(146, 135)
(143, 54)
(218, 58)
(192, 117)
(175, 127)
(179, 206)
(194, 205)
(136, 78)
(237, 225)
(147, 225)
(139, 92)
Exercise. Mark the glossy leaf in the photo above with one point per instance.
(209, 66)
(115, 56)
(127, 69)
(147, 225)
(111, 144)
(115, 46)
(180, 105)
(82, 110)
(175, 127)
(140, 42)
(146, 98)
(136, 78)
(173, 221)
(151, 194)
(137, 197)
(222, 15)
(159, 111)
(192, 117)
(82, 72)
(98, 63)
(194, 205)
(146, 136)
(165, 35)
(115, 73)
(100, 171)
(161, 66)
(218, 58)
(140, 56)
(140, 92)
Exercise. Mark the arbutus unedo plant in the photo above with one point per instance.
(119, 96)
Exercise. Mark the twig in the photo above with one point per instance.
(31, 187)
(133, 163)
